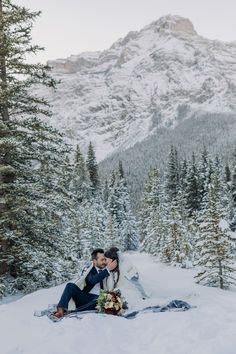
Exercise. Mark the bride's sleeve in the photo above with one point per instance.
(131, 271)
(133, 276)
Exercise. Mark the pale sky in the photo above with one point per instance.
(73, 26)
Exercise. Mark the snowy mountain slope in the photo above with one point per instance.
(152, 78)
(208, 329)
(216, 131)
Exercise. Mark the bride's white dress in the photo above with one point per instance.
(128, 282)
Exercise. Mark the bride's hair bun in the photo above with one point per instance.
(114, 249)
(112, 253)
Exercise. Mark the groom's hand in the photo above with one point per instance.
(111, 265)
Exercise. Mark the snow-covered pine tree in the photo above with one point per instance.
(177, 248)
(227, 174)
(204, 174)
(121, 170)
(128, 228)
(92, 168)
(215, 245)
(32, 156)
(192, 226)
(223, 188)
(112, 233)
(172, 174)
(155, 240)
(95, 226)
(69, 231)
(93, 221)
(227, 197)
(192, 189)
(110, 196)
(183, 175)
(105, 192)
(150, 218)
(233, 194)
(149, 203)
(119, 206)
(81, 183)
(51, 204)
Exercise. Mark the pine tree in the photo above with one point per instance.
(149, 203)
(227, 173)
(112, 233)
(183, 175)
(35, 205)
(93, 217)
(154, 242)
(192, 226)
(119, 207)
(121, 170)
(215, 245)
(50, 206)
(16, 24)
(172, 174)
(150, 216)
(92, 168)
(81, 184)
(233, 196)
(204, 177)
(177, 248)
(192, 189)
(105, 192)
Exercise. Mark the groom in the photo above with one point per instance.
(85, 298)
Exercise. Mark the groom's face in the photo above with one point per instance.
(100, 261)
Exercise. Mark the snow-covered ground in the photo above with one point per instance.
(208, 329)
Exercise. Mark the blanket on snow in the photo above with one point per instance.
(174, 305)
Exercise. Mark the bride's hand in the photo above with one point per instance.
(111, 265)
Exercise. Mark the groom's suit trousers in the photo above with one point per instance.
(83, 301)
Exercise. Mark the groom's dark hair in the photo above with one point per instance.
(95, 253)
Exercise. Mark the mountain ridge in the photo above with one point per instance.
(153, 78)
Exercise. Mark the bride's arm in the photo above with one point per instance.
(133, 276)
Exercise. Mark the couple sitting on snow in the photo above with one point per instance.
(108, 271)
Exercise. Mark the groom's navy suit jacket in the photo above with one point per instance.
(93, 278)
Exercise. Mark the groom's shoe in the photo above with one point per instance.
(59, 313)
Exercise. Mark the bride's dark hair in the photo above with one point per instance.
(112, 253)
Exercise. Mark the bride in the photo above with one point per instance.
(125, 276)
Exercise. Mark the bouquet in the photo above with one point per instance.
(111, 302)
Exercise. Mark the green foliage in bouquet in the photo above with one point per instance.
(111, 302)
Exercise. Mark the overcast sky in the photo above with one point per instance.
(73, 26)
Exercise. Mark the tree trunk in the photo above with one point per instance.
(221, 275)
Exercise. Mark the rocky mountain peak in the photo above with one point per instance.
(174, 23)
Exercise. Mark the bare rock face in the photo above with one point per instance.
(185, 26)
(152, 78)
(75, 62)
(176, 23)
